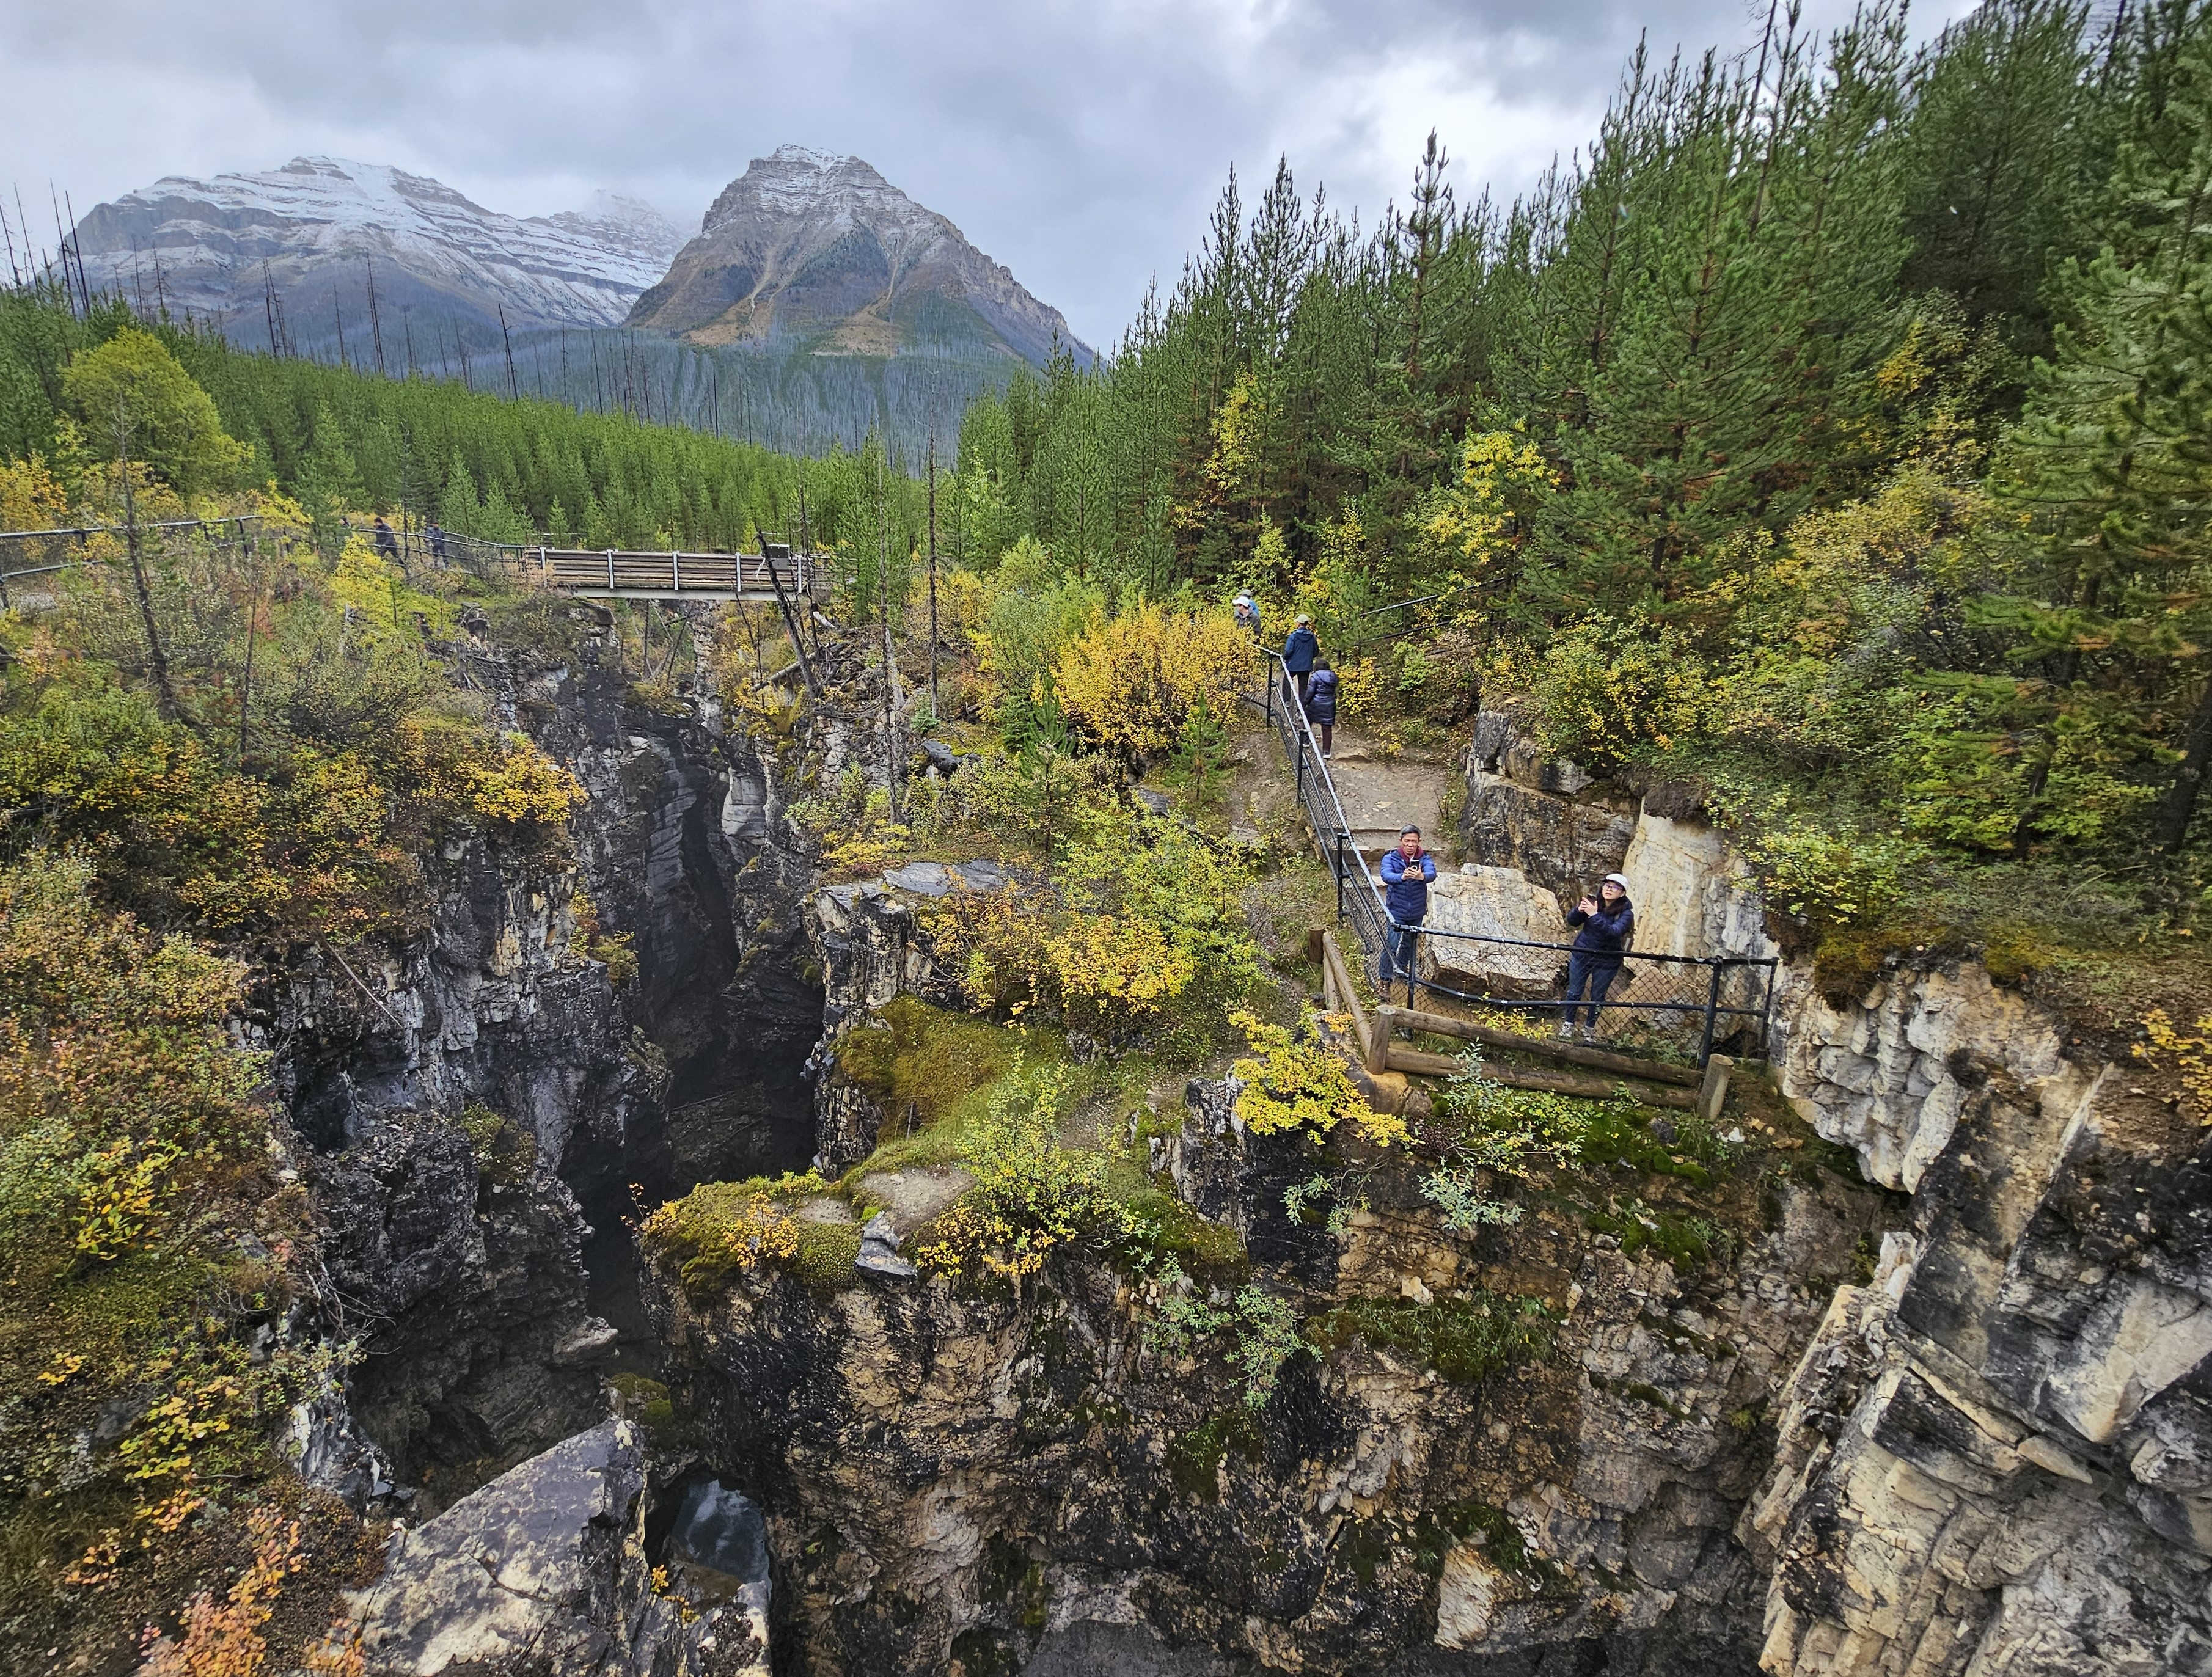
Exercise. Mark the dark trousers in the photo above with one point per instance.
(1327, 732)
(1595, 972)
(1404, 942)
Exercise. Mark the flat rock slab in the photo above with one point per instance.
(941, 879)
(822, 1208)
(525, 1573)
(914, 1195)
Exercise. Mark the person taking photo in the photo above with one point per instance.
(1607, 922)
(1407, 872)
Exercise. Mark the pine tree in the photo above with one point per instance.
(2111, 466)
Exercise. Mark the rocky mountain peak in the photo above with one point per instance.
(817, 246)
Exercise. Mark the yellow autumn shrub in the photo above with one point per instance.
(1293, 1080)
(1132, 680)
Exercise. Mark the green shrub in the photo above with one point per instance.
(1463, 1339)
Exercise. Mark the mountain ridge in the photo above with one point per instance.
(311, 227)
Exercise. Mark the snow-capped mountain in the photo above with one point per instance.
(314, 228)
(819, 248)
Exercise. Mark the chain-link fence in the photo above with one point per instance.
(1672, 1004)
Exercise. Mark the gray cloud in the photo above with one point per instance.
(1080, 144)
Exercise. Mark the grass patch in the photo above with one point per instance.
(1465, 1340)
(1163, 1226)
(1688, 1240)
(923, 1061)
(1194, 1458)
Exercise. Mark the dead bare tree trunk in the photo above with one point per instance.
(156, 659)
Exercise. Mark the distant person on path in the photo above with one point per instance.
(1320, 703)
(437, 539)
(388, 545)
(1248, 615)
(1408, 872)
(1299, 652)
(1607, 923)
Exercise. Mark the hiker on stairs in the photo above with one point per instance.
(1320, 703)
(1299, 652)
(1607, 923)
(1408, 872)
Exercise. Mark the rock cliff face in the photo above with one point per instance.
(963, 1485)
(1998, 1456)
(454, 1257)
(472, 1107)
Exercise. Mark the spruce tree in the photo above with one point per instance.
(2111, 615)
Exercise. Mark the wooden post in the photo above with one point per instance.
(1378, 1040)
(1714, 1093)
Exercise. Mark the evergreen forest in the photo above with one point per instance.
(1834, 427)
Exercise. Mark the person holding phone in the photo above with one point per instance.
(1607, 922)
(1407, 872)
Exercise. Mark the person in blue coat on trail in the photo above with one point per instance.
(1320, 703)
(1299, 652)
(1408, 872)
(1607, 924)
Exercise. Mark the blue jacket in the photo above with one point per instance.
(1321, 696)
(1407, 899)
(1605, 934)
(1300, 651)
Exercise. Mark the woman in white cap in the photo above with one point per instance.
(1248, 615)
(1606, 923)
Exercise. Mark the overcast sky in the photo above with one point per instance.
(1080, 144)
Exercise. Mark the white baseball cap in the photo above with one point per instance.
(1619, 880)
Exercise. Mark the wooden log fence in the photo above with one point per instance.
(1651, 1083)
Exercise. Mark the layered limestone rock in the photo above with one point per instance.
(1549, 819)
(1889, 1073)
(2000, 1457)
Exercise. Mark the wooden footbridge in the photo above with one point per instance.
(618, 573)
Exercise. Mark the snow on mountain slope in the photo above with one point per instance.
(318, 223)
(821, 248)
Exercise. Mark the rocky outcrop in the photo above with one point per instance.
(1551, 820)
(963, 1483)
(544, 1573)
(1999, 1457)
(873, 943)
(433, 1089)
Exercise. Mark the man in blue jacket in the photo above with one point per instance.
(1409, 870)
(1299, 652)
(1607, 923)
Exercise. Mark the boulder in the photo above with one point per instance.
(543, 1573)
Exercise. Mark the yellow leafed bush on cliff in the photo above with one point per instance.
(1132, 680)
(1296, 1081)
(524, 787)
